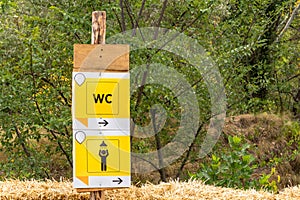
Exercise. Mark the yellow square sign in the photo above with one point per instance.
(104, 96)
(101, 161)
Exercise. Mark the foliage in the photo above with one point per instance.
(235, 169)
(36, 98)
(292, 132)
(230, 169)
(265, 182)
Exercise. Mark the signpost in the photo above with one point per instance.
(100, 113)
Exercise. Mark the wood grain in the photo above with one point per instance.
(96, 58)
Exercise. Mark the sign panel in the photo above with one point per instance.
(101, 100)
(101, 159)
(101, 116)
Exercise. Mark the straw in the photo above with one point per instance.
(173, 190)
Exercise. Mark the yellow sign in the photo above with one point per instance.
(101, 96)
(101, 130)
(101, 156)
(105, 96)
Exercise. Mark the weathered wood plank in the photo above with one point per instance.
(93, 189)
(94, 58)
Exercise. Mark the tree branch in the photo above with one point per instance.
(129, 12)
(160, 19)
(288, 22)
(161, 169)
(123, 26)
(138, 18)
(40, 111)
(189, 151)
(60, 93)
(22, 142)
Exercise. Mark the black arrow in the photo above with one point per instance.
(119, 181)
(104, 122)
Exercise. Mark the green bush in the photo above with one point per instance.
(230, 169)
(266, 184)
(235, 168)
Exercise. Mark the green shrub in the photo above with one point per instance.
(234, 169)
(266, 184)
(230, 169)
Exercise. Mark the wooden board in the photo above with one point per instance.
(93, 189)
(97, 57)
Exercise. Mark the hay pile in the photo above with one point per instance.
(173, 190)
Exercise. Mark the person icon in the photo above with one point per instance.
(103, 153)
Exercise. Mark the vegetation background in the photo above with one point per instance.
(255, 45)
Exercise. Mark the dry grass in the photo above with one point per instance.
(270, 141)
(174, 190)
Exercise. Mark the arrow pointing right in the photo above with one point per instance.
(119, 181)
(104, 122)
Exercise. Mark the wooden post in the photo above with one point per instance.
(98, 27)
(98, 37)
(97, 195)
(88, 61)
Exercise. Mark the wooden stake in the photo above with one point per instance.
(98, 27)
(98, 37)
(97, 195)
